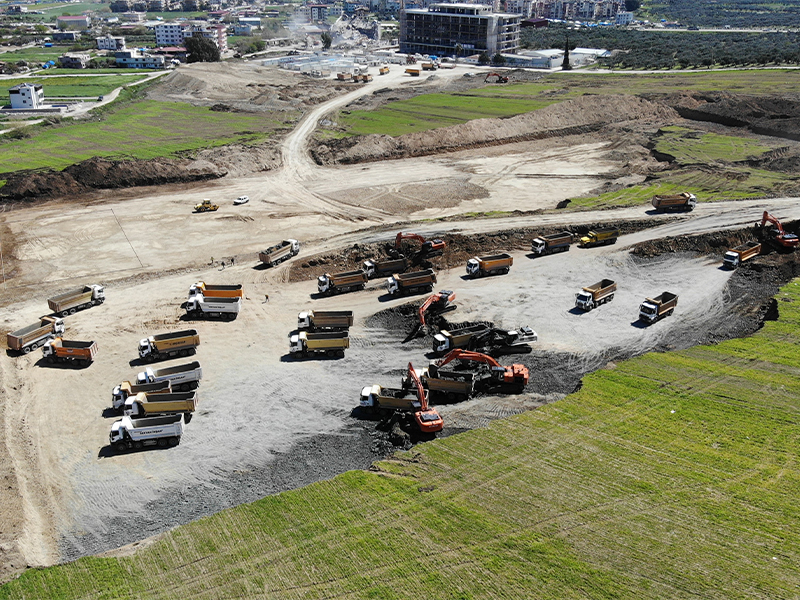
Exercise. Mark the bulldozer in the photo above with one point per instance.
(205, 206)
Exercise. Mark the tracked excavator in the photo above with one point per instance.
(428, 248)
(500, 78)
(503, 341)
(776, 233)
(426, 418)
(516, 376)
(434, 306)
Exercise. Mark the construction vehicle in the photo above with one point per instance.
(601, 237)
(653, 309)
(503, 341)
(445, 341)
(596, 294)
(198, 306)
(332, 320)
(216, 291)
(144, 405)
(35, 335)
(410, 398)
(428, 248)
(130, 433)
(436, 305)
(181, 377)
(383, 70)
(788, 241)
(329, 343)
(344, 76)
(205, 206)
(736, 256)
(377, 268)
(339, 283)
(453, 386)
(69, 302)
(127, 389)
(429, 66)
(168, 345)
(279, 252)
(418, 282)
(495, 264)
(515, 376)
(500, 78)
(59, 350)
(550, 244)
(674, 202)
(413, 72)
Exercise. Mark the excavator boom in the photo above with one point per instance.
(427, 419)
(516, 373)
(787, 240)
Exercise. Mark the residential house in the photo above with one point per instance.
(26, 96)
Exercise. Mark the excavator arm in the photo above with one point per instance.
(516, 373)
(440, 301)
(427, 419)
(787, 240)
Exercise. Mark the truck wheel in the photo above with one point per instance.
(162, 442)
(64, 313)
(83, 362)
(173, 441)
(184, 352)
(27, 349)
(121, 446)
(72, 311)
(185, 387)
(340, 354)
(331, 353)
(138, 445)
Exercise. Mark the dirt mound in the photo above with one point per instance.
(580, 115)
(101, 173)
(777, 116)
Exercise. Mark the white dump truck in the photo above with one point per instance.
(69, 302)
(36, 335)
(198, 306)
(168, 345)
(181, 377)
(329, 343)
(127, 433)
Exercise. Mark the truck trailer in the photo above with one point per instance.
(418, 282)
(595, 294)
(130, 433)
(59, 350)
(445, 340)
(736, 256)
(329, 343)
(331, 320)
(599, 237)
(279, 252)
(550, 244)
(198, 306)
(653, 309)
(181, 377)
(378, 268)
(168, 345)
(675, 202)
(216, 291)
(339, 283)
(495, 264)
(69, 302)
(145, 405)
(35, 335)
(126, 389)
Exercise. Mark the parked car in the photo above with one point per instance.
(242, 200)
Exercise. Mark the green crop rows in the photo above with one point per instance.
(672, 475)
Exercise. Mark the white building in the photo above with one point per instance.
(624, 18)
(215, 33)
(26, 96)
(169, 34)
(134, 59)
(110, 42)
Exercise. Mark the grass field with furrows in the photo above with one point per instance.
(671, 475)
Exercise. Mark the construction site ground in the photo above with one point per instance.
(267, 422)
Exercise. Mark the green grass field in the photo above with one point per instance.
(145, 129)
(76, 87)
(689, 146)
(672, 475)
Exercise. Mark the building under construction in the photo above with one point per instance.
(441, 28)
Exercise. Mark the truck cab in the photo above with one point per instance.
(473, 267)
(731, 260)
(648, 312)
(323, 284)
(303, 320)
(584, 300)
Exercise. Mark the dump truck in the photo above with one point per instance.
(216, 291)
(600, 237)
(377, 268)
(279, 252)
(168, 345)
(429, 66)
(736, 256)
(339, 283)
(330, 343)
(69, 302)
(206, 206)
(379, 400)
(445, 341)
(495, 264)
(413, 72)
(450, 385)
(126, 389)
(653, 309)
(383, 70)
(675, 202)
(333, 320)
(550, 244)
(35, 335)
(596, 294)
(418, 282)
(181, 377)
(198, 306)
(130, 433)
(59, 350)
(144, 405)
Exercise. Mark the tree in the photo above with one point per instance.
(632, 5)
(498, 59)
(565, 66)
(459, 49)
(326, 40)
(200, 49)
(484, 59)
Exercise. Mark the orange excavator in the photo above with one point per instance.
(427, 419)
(516, 375)
(435, 305)
(428, 248)
(500, 78)
(779, 236)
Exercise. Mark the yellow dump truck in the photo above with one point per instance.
(216, 291)
(736, 256)
(169, 345)
(675, 202)
(599, 237)
(69, 351)
(550, 244)
(126, 389)
(495, 264)
(338, 283)
(153, 405)
(413, 72)
(279, 252)
(418, 282)
(329, 343)
(653, 309)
